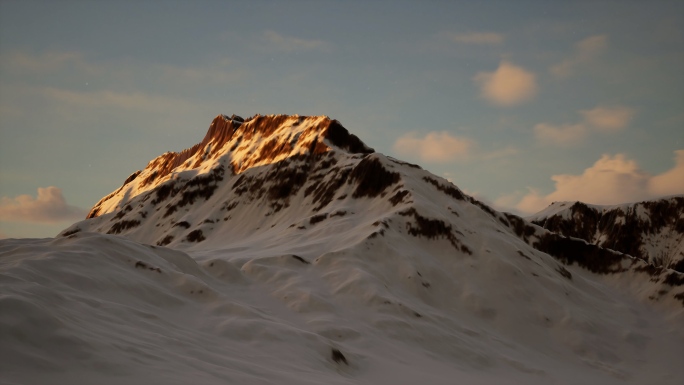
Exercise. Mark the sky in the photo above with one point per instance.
(518, 103)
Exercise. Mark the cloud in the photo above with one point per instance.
(671, 181)
(610, 180)
(125, 72)
(585, 51)
(49, 207)
(278, 42)
(505, 152)
(609, 119)
(603, 119)
(136, 100)
(435, 147)
(509, 85)
(484, 38)
(46, 61)
(564, 135)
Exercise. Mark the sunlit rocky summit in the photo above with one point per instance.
(282, 249)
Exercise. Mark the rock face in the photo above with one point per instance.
(650, 230)
(240, 144)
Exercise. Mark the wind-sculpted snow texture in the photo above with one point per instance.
(651, 230)
(281, 249)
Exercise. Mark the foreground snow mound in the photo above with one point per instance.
(92, 308)
(650, 230)
(284, 250)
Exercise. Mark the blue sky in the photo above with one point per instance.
(519, 103)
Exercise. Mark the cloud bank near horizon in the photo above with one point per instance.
(48, 207)
(610, 180)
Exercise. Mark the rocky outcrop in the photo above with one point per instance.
(240, 144)
(649, 230)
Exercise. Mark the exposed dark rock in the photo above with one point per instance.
(324, 192)
(564, 272)
(340, 137)
(483, 206)
(123, 225)
(195, 236)
(131, 177)
(338, 357)
(372, 178)
(623, 229)
(317, 218)
(167, 239)
(432, 229)
(452, 191)
(398, 197)
(300, 259)
(570, 250)
(521, 227)
(143, 265)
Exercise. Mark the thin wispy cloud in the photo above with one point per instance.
(610, 119)
(560, 135)
(509, 85)
(124, 72)
(49, 206)
(505, 152)
(607, 120)
(126, 101)
(585, 51)
(611, 179)
(477, 38)
(46, 61)
(288, 44)
(434, 147)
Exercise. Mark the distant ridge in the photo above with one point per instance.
(650, 230)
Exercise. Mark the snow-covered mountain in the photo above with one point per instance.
(282, 249)
(650, 230)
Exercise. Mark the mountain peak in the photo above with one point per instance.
(261, 139)
(238, 144)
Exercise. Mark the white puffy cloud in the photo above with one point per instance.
(585, 51)
(48, 207)
(278, 42)
(566, 134)
(434, 147)
(509, 85)
(610, 119)
(482, 38)
(610, 180)
(671, 181)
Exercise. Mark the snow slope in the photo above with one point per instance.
(289, 252)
